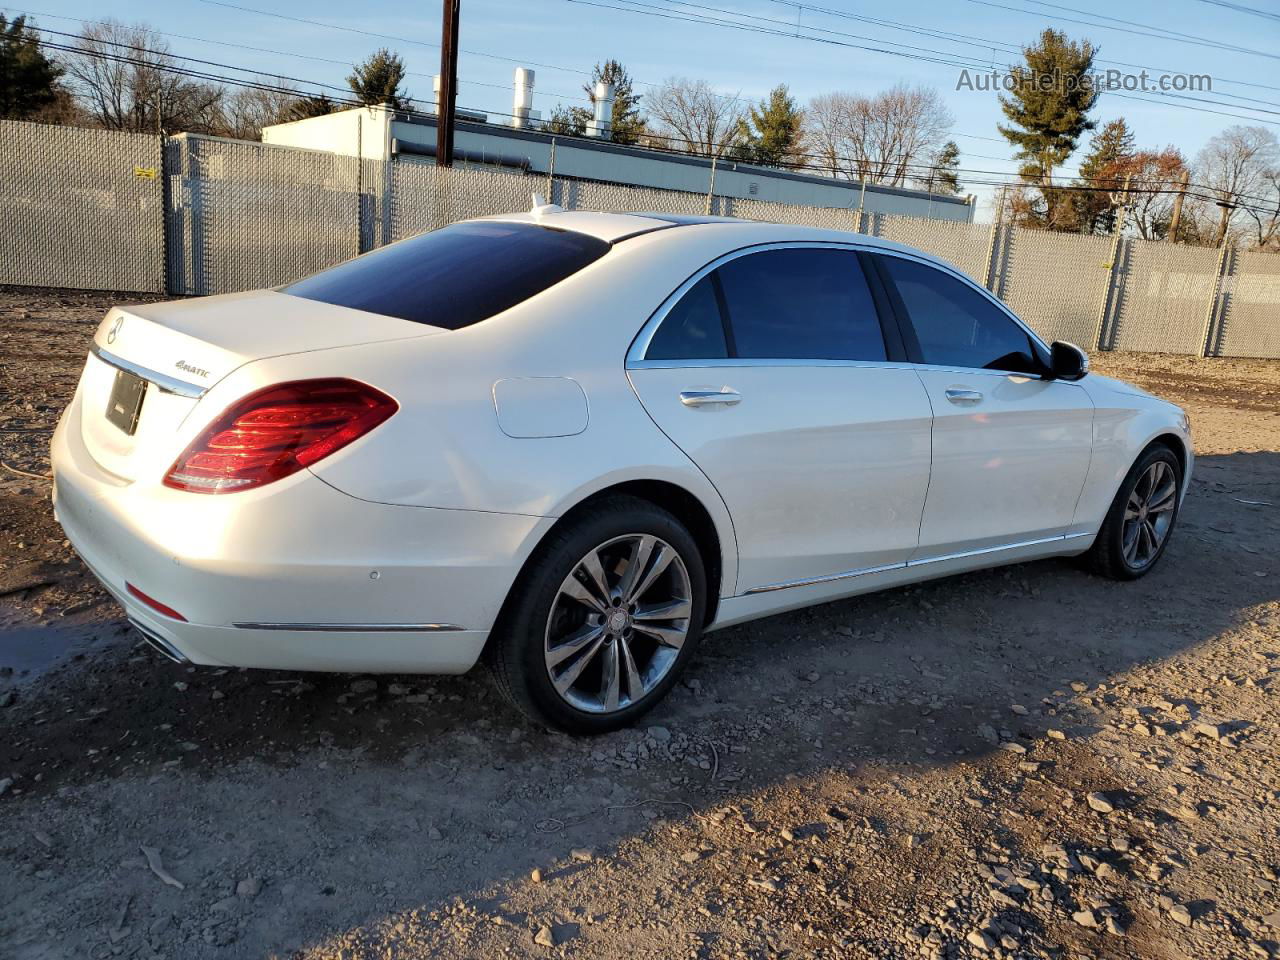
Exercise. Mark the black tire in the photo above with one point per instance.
(516, 652)
(1107, 555)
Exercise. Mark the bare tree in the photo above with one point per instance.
(127, 80)
(885, 138)
(247, 110)
(688, 115)
(1154, 176)
(1234, 167)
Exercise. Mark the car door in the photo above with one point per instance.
(1011, 446)
(769, 369)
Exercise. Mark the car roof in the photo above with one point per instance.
(614, 227)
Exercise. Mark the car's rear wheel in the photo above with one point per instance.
(604, 619)
(1138, 526)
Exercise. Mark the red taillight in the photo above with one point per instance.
(278, 431)
(155, 604)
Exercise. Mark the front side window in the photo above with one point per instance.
(801, 304)
(957, 326)
(455, 276)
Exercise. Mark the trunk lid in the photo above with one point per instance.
(182, 348)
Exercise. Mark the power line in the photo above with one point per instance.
(259, 84)
(1211, 44)
(1241, 8)
(295, 55)
(635, 6)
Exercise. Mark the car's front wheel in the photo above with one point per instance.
(1141, 519)
(606, 616)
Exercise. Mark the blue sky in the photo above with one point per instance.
(561, 40)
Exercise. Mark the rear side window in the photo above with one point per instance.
(801, 304)
(693, 329)
(456, 276)
(956, 325)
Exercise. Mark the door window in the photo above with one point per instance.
(804, 303)
(693, 329)
(955, 325)
(801, 304)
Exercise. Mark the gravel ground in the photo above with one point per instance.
(1029, 762)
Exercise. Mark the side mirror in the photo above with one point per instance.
(1067, 361)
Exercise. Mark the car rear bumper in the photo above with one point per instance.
(294, 576)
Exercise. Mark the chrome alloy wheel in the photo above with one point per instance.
(1148, 515)
(618, 623)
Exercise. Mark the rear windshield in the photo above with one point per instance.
(455, 276)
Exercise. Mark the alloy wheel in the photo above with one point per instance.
(618, 623)
(1148, 514)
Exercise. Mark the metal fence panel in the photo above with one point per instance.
(248, 215)
(828, 218)
(1251, 306)
(1164, 297)
(618, 198)
(426, 197)
(1056, 282)
(966, 246)
(80, 208)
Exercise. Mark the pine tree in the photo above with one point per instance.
(377, 80)
(943, 176)
(1048, 108)
(1110, 157)
(28, 79)
(771, 135)
(306, 107)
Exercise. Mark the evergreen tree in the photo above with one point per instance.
(28, 79)
(943, 176)
(1048, 108)
(306, 107)
(1103, 169)
(628, 124)
(772, 133)
(377, 80)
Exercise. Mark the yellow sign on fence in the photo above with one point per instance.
(147, 173)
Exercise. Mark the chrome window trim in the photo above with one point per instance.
(355, 627)
(640, 345)
(165, 382)
(991, 297)
(865, 571)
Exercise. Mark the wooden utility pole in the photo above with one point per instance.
(448, 84)
(1177, 206)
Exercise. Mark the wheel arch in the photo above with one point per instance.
(678, 500)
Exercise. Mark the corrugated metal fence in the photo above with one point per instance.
(94, 209)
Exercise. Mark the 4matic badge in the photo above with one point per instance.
(188, 368)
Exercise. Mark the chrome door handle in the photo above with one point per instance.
(704, 398)
(964, 398)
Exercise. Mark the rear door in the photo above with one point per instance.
(1011, 447)
(770, 369)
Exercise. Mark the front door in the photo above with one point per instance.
(1011, 446)
(770, 372)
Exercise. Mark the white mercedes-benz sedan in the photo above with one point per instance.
(571, 443)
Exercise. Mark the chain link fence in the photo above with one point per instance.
(199, 215)
(80, 208)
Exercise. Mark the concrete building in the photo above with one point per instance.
(380, 133)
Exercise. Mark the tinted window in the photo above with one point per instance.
(802, 304)
(956, 325)
(693, 330)
(456, 276)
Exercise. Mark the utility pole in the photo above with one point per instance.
(1177, 206)
(448, 84)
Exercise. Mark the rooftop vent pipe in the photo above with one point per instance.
(602, 123)
(523, 115)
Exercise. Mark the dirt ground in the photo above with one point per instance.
(1029, 762)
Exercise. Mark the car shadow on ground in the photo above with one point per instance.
(357, 800)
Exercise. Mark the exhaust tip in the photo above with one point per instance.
(158, 643)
